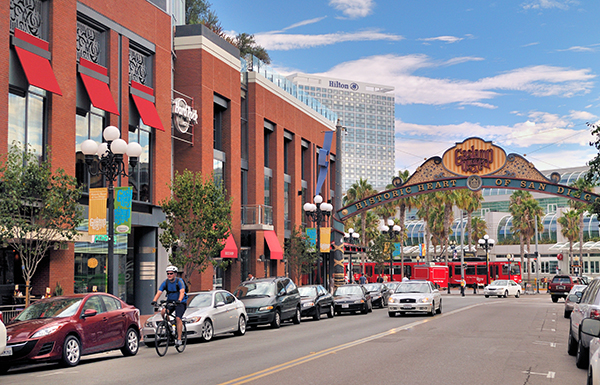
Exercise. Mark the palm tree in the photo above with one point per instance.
(479, 228)
(582, 185)
(469, 201)
(526, 211)
(359, 190)
(424, 203)
(569, 223)
(404, 205)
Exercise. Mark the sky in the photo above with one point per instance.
(521, 73)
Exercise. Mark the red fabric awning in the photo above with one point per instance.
(98, 90)
(274, 246)
(145, 106)
(37, 68)
(230, 250)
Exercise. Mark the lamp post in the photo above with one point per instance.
(452, 244)
(318, 212)
(392, 231)
(509, 258)
(487, 243)
(352, 238)
(110, 165)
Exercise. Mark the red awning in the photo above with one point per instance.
(145, 106)
(37, 68)
(274, 246)
(230, 250)
(97, 89)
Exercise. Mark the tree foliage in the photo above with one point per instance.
(569, 223)
(38, 208)
(300, 260)
(198, 220)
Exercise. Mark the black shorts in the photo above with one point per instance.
(179, 308)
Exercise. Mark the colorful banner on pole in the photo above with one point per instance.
(396, 251)
(311, 235)
(123, 197)
(325, 239)
(422, 249)
(97, 211)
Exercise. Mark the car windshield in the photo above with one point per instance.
(499, 283)
(201, 300)
(348, 290)
(561, 280)
(56, 308)
(255, 289)
(307, 291)
(413, 288)
(372, 287)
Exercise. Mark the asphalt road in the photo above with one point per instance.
(474, 341)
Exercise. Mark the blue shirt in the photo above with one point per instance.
(173, 289)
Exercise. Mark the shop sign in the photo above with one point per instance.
(474, 157)
(183, 115)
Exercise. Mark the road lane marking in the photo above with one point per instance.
(547, 375)
(551, 344)
(312, 356)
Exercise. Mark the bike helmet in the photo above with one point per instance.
(172, 268)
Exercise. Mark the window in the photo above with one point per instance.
(219, 173)
(26, 119)
(140, 177)
(94, 303)
(111, 303)
(218, 127)
(88, 126)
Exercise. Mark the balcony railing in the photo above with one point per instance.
(257, 217)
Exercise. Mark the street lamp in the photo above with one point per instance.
(318, 212)
(392, 231)
(352, 238)
(509, 258)
(110, 165)
(487, 243)
(452, 244)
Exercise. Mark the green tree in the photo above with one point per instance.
(247, 45)
(299, 259)
(198, 220)
(469, 201)
(526, 211)
(379, 250)
(582, 185)
(479, 228)
(358, 191)
(38, 208)
(569, 223)
(404, 205)
(424, 204)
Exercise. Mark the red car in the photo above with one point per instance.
(68, 327)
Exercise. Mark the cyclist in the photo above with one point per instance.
(175, 288)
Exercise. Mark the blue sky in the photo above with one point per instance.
(521, 73)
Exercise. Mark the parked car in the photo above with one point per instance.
(208, 314)
(573, 297)
(561, 285)
(270, 301)
(67, 327)
(415, 296)
(379, 294)
(502, 288)
(352, 298)
(591, 328)
(2, 337)
(587, 307)
(315, 301)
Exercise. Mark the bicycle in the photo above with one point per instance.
(166, 331)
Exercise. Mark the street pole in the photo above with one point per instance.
(486, 243)
(318, 212)
(337, 257)
(537, 259)
(391, 230)
(462, 251)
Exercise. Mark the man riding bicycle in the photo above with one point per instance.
(175, 288)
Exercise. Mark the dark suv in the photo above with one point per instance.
(560, 286)
(270, 301)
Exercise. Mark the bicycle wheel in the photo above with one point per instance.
(161, 339)
(181, 347)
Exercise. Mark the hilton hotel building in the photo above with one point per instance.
(367, 112)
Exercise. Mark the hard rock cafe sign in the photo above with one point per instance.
(474, 157)
(183, 115)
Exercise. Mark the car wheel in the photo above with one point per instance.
(590, 376)
(432, 312)
(506, 294)
(518, 294)
(370, 307)
(317, 315)
(554, 298)
(583, 355)
(571, 344)
(298, 316)
(392, 313)
(439, 310)
(207, 330)
(331, 311)
(567, 313)
(337, 313)
(71, 351)
(132, 343)
(276, 320)
(487, 296)
(241, 326)
(4, 368)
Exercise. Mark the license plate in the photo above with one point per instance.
(7, 352)
(560, 287)
(407, 307)
(345, 306)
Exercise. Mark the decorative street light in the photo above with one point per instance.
(452, 244)
(509, 258)
(392, 231)
(318, 212)
(111, 166)
(487, 243)
(352, 238)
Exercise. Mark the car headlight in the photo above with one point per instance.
(359, 301)
(149, 324)
(308, 304)
(192, 320)
(392, 300)
(45, 331)
(424, 300)
(265, 308)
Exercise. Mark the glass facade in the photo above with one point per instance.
(26, 117)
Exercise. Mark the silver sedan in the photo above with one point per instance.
(415, 296)
(208, 313)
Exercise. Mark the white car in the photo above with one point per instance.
(502, 288)
(2, 335)
(591, 328)
(208, 313)
(415, 296)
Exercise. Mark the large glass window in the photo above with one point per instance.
(26, 117)
(219, 172)
(140, 178)
(88, 126)
(218, 127)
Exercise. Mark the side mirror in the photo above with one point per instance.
(573, 298)
(591, 327)
(220, 303)
(89, 313)
(281, 292)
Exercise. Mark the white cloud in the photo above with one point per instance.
(305, 22)
(353, 8)
(547, 4)
(578, 49)
(582, 115)
(283, 42)
(447, 39)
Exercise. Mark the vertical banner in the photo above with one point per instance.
(97, 211)
(325, 239)
(123, 196)
(311, 235)
(396, 251)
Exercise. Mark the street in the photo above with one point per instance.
(474, 341)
